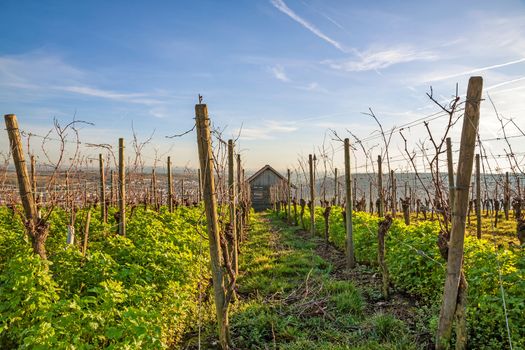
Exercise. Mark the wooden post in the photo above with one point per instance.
(478, 198)
(450, 167)
(240, 201)
(289, 198)
(154, 188)
(33, 178)
(371, 200)
(383, 227)
(103, 208)
(350, 258)
(457, 236)
(170, 186)
(210, 203)
(86, 232)
(354, 193)
(36, 229)
(182, 190)
(112, 187)
(233, 207)
(122, 189)
(336, 187)
(393, 204)
(312, 195)
(506, 195)
(380, 186)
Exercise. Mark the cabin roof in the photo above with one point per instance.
(263, 169)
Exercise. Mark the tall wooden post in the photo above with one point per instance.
(233, 206)
(336, 188)
(122, 189)
(36, 230)
(240, 200)
(380, 186)
(371, 199)
(86, 232)
(112, 187)
(478, 198)
(457, 235)
(354, 192)
(103, 208)
(170, 186)
(289, 198)
(33, 178)
(312, 194)
(450, 168)
(393, 194)
(506, 195)
(350, 258)
(210, 204)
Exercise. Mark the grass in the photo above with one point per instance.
(289, 299)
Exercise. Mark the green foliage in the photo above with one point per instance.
(133, 292)
(416, 267)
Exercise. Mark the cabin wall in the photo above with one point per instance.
(260, 189)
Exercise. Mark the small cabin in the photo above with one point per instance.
(260, 184)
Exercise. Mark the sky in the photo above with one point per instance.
(279, 73)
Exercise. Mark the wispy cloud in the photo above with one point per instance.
(267, 130)
(512, 81)
(279, 73)
(477, 70)
(47, 75)
(139, 98)
(380, 59)
(281, 6)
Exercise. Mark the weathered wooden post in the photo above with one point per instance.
(103, 208)
(451, 302)
(86, 232)
(380, 186)
(312, 195)
(170, 186)
(233, 207)
(393, 194)
(371, 199)
(210, 204)
(33, 177)
(336, 188)
(350, 258)
(36, 228)
(354, 193)
(112, 187)
(506, 204)
(450, 168)
(240, 201)
(289, 198)
(478, 198)
(383, 227)
(154, 189)
(122, 189)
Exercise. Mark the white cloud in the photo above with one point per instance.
(476, 70)
(380, 59)
(281, 6)
(45, 75)
(267, 130)
(139, 98)
(279, 73)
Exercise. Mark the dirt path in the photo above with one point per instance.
(294, 293)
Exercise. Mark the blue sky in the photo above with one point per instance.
(284, 70)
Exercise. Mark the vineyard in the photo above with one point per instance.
(414, 247)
